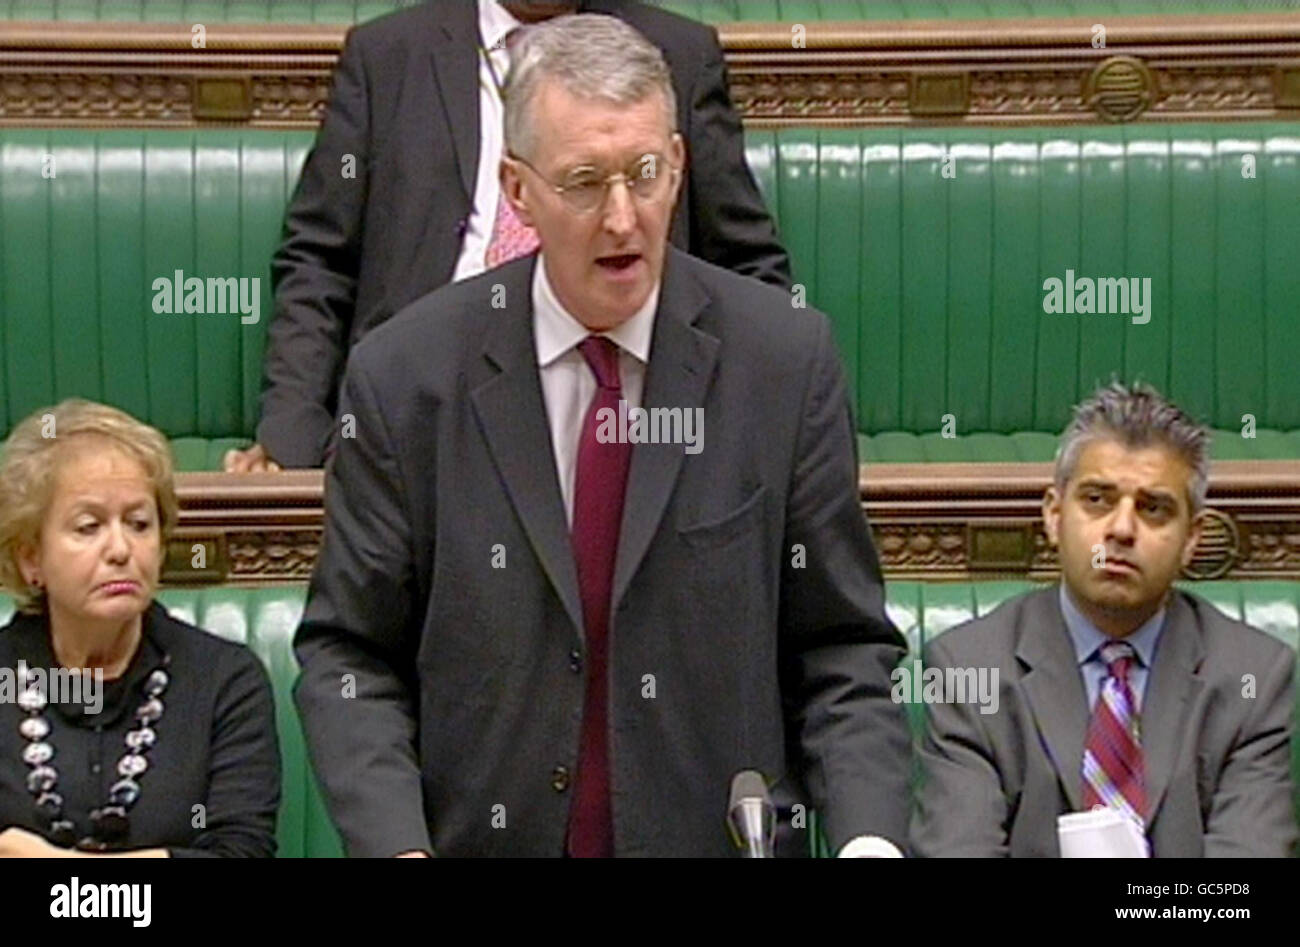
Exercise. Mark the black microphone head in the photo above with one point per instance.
(748, 784)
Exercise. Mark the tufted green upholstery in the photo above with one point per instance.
(934, 283)
(265, 619)
(711, 11)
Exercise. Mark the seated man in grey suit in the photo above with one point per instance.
(1115, 689)
(542, 623)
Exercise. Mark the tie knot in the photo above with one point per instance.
(1119, 656)
(602, 357)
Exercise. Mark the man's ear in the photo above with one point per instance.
(677, 158)
(512, 189)
(1052, 514)
(1193, 537)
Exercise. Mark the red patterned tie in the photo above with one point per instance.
(597, 513)
(1112, 753)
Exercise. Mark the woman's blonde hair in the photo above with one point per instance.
(29, 464)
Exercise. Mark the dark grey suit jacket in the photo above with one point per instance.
(405, 104)
(468, 691)
(1217, 763)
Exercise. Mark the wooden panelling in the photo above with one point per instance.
(989, 72)
(930, 521)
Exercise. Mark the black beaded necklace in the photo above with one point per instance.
(110, 824)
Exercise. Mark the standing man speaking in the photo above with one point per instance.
(534, 632)
(400, 193)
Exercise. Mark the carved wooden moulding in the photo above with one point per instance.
(1029, 71)
(930, 521)
(967, 521)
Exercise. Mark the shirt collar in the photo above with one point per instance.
(557, 331)
(1088, 638)
(494, 22)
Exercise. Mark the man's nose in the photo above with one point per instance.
(620, 212)
(1123, 522)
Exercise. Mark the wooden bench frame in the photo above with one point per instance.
(915, 72)
(931, 521)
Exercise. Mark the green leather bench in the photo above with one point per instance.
(265, 619)
(934, 284)
(710, 11)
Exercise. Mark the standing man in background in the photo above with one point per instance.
(401, 193)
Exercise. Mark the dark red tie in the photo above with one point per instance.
(597, 512)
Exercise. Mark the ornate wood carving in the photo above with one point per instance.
(964, 521)
(1031, 71)
(930, 521)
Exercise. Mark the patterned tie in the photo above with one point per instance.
(1112, 754)
(511, 237)
(597, 513)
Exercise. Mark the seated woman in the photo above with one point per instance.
(169, 749)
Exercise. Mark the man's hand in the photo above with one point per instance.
(252, 460)
(19, 843)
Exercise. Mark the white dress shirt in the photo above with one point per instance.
(493, 23)
(568, 384)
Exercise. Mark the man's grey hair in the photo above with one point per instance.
(593, 56)
(1137, 416)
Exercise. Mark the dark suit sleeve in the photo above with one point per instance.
(244, 780)
(730, 225)
(961, 809)
(1251, 814)
(314, 276)
(356, 694)
(837, 645)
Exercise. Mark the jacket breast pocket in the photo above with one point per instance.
(720, 530)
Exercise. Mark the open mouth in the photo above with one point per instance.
(619, 262)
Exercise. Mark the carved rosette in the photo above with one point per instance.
(273, 555)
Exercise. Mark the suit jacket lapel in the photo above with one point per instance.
(1171, 685)
(511, 412)
(1054, 689)
(454, 55)
(678, 375)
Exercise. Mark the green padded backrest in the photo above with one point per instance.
(265, 619)
(203, 11)
(934, 284)
(79, 253)
(711, 11)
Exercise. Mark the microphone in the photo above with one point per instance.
(751, 817)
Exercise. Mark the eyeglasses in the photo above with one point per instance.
(585, 189)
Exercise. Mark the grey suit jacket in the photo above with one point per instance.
(1217, 762)
(748, 627)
